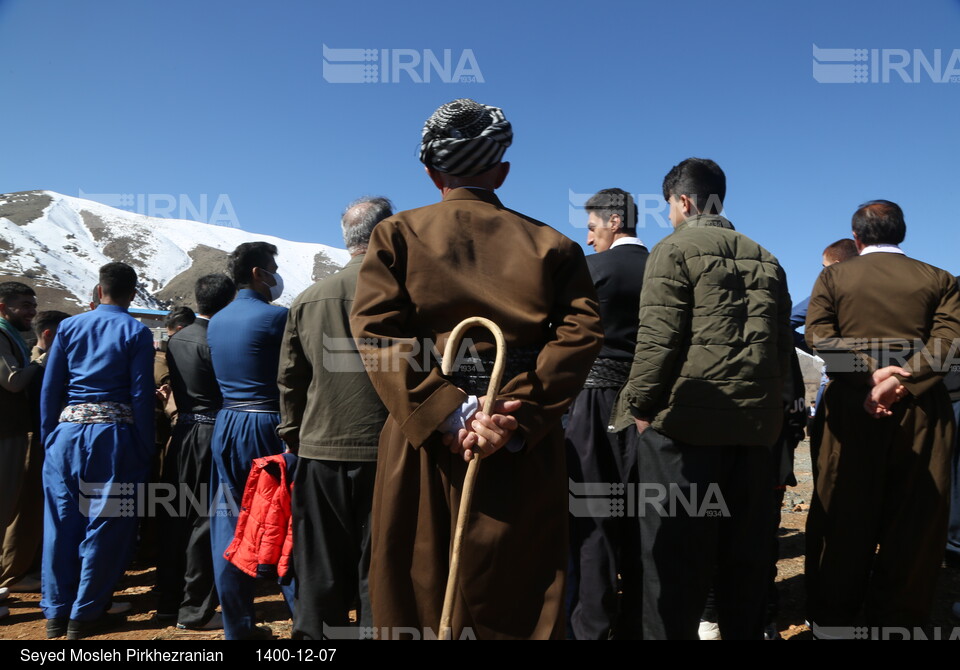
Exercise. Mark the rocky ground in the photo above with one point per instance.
(26, 623)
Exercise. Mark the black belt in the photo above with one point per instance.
(472, 373)
(265, 406)
(607, 373)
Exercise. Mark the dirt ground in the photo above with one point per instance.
(26, 623)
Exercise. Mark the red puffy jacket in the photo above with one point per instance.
(263, 541)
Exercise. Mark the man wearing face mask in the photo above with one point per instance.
(244, 339)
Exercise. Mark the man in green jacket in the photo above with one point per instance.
(704, 392)
(331, 418)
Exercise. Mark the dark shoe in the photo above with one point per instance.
(119, 607)
(56, 627)
(259, 633)
(77, 630)
(213, 623)
(28, 584)
(166, 618)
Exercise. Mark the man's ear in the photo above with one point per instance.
(860, 246)
(687, 206)
(616, 223)
(257, 275)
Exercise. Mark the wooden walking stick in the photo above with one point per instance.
(466, 497)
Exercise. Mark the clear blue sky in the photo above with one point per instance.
(223, 97)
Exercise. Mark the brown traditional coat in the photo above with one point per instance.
(425, 271)
(882, 481)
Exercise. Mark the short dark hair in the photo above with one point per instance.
(841, 250)
(214, 292)
(46, 320)
(360, 217)
(247, 256)
(701, 180)
(179, 317)
(609, 201)
(14, 289)
(118, 280)
(879, 222)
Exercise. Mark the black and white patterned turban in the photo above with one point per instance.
(464, 138)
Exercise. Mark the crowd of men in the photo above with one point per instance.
(324, 447)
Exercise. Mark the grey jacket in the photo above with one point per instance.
(329, 409)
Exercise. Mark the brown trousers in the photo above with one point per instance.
(879, 482)
(23, 487)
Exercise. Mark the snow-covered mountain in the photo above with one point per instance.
(57, 243)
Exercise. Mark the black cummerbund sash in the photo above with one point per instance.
(607, 373)
(473, 372)
(188, 419)
(267, 405)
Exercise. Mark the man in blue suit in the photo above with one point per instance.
(96, 410)
(244, 339)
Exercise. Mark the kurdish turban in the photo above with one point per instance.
(464, 138)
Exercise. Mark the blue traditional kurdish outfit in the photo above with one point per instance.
(96, 409)
(244, 339)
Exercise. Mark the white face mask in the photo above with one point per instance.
(277, 289)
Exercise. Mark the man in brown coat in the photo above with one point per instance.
(18, 306)
(882, 475)
(24, 535)
(426, 270)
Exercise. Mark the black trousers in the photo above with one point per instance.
(602, 547)
(331, 545)
(184, 561)
(781, 468)
(704, 520)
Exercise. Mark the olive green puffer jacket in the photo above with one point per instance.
(714, 339)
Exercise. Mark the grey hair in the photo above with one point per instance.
(359, 219)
